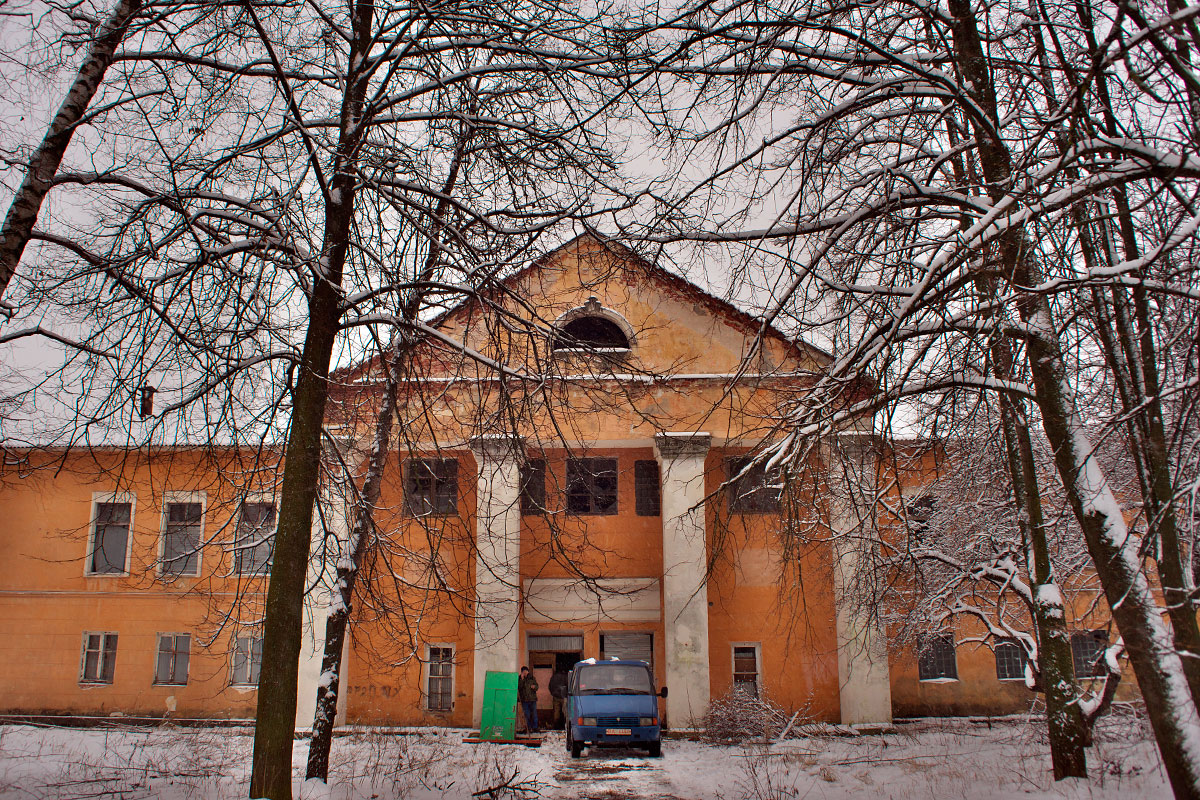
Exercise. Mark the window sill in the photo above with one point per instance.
(86, 684)
(937, 680)
(106, 574)
(159, 683)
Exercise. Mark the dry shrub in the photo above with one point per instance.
(739, 717)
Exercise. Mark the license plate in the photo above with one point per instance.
(618, 732)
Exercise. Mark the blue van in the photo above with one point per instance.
(613, 703)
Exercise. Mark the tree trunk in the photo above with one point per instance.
(43, 165)
(275, 726)
(1113, 549)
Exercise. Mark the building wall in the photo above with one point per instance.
(48, 602)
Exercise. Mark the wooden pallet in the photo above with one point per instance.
(528, 741)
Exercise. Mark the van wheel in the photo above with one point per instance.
(654, 749)
(575, 747)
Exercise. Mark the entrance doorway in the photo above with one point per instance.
(548, 655)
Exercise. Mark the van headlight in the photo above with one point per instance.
(648, 721)
(590, 721)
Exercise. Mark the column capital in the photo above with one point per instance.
(498, 447)
(672, 446)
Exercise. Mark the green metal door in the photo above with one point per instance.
(499, 720)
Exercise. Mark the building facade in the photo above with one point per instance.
(571, 480)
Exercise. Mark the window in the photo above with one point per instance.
(110, 537)
(645, 488)
(431, 486)
(247, 660)
(255, 538)
(1010, 660)
(439, 672)
(592, 333)
(183, 524)
(745, 670)
(592, 486)
(99, 658)
(1087, 653)
(171, 667)
(751, 492)
(920, 512)
(533, 486)
(935, 658)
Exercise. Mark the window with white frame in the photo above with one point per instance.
(439, 677)
(745, 669)
(1010, 660)
(247, 660)
(936, 659)
(183, 528)
(171, 666)
(255, 537)
(112, 518)
(99, 660)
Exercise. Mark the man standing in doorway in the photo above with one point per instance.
(558, 691)
(527, 688)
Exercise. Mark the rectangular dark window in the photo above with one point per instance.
(110, 538)
(533, 486)
(646, 490)
(592, 486)
(1087, 653)
(935, 659)
(431, 486)
(247, 660)
(99, 658)
(254, 539)
(440, 689)
(745, 670)
(181, 538)
(749, 489)
(171, 667)
(1010, 660)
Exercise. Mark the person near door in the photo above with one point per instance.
(558, 691)
(527, 688)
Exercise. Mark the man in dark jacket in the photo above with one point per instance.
(527, 688)
(558, 691)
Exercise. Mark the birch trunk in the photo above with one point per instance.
(1113, 549)
(43, 165)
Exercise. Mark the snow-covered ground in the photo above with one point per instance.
(930, 759)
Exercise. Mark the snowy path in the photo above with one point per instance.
(604, 774)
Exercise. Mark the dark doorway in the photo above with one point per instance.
(553, 654)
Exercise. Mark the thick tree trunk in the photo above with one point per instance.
(274, 730)
(1113, 549)
(43, 165)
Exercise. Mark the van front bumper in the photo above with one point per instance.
(609, 735)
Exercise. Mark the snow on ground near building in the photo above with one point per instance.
(928, 759)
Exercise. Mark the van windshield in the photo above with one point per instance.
(614, 679)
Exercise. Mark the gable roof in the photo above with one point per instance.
(717, 307)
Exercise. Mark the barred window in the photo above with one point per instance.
(533, 486)
(171, 666)
(647, 494)
(431, 486)
(440, 674)
(1087, 652)
(1010, 660)
(749, 489)
(592, 486)
(935, 658)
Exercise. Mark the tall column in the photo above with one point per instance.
(497, 560)
(866, 692)
(685, 588)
